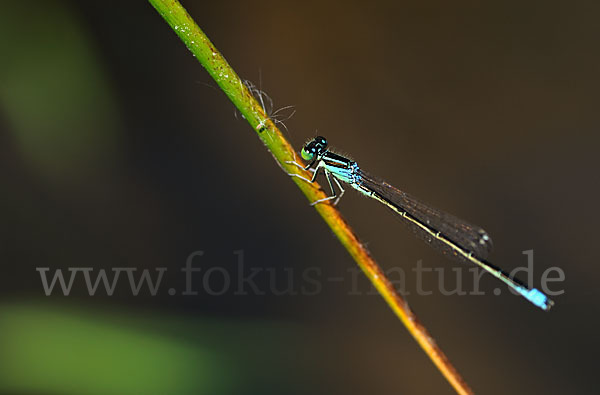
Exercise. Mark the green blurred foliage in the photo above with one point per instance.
(46, 350)
(65, 349)
(53, 91)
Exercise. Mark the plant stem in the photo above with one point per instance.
(216, 65)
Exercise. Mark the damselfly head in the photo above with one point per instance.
(314, 148)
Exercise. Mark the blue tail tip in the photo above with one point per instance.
(538, 298)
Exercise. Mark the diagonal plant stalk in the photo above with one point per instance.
(216, 65)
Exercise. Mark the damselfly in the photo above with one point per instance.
(450, 235)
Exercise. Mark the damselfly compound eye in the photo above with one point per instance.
(314, 147)
(309, 151)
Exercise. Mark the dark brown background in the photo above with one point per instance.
(118, 150)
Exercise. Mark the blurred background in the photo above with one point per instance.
(118, 151)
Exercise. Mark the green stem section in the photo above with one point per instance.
(216, 65)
